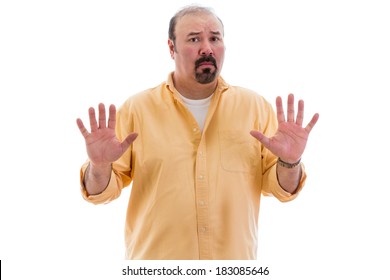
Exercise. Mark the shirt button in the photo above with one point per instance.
(202, 229)
(201, 202)
(200, 177)
(194, 129)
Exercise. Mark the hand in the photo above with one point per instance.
(103, 147)
(290, 139)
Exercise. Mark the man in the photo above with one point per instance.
(198, 151)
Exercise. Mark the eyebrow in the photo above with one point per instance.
(197, 33)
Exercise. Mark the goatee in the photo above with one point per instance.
(206, 75)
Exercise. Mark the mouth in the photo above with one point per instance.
(206, 64)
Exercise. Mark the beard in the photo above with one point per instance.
(206, 75)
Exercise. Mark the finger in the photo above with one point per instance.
(112, 117)
(92, 119)
(102, 116)
(279, 110)
(301, 109)
(128, 141)
(312, 123)
(82, 128)
(290, 108)
(261, 137)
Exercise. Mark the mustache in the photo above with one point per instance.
(206, 59)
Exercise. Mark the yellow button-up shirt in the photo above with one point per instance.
(195, 195)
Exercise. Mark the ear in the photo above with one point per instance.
(171, 48)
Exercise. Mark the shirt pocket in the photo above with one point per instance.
(239, 151)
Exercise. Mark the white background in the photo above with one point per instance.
(57, 58)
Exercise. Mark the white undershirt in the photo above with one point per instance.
(198, 108)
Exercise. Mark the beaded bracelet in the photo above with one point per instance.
(288, 165)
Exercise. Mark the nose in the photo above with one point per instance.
(205, 49)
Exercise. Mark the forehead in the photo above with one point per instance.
(199, 23)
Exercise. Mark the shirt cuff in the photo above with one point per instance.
(110, 193)
(279, 192)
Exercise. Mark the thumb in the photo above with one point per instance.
(261, 137)
(128, 141)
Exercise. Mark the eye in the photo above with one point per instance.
(194, 39)
(215, 39)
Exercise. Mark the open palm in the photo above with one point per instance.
(290, 139)
(103, 147)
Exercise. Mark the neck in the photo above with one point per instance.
(193, 89)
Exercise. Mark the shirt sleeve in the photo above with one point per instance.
(112, 191)
(271, 186)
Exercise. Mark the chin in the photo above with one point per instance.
(206, 76)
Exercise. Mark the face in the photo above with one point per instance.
(199, 49)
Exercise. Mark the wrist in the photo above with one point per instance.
(100, 165)
(99, 169)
